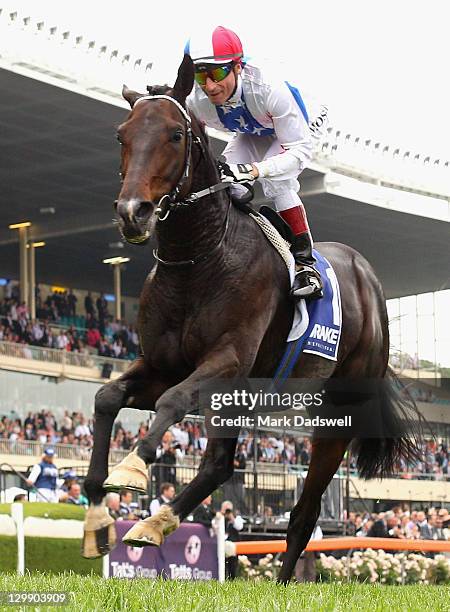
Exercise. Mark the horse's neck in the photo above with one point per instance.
(192, 231)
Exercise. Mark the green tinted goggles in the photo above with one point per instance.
(215, 72)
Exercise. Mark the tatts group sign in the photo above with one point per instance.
(189, 553)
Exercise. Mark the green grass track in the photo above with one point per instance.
(96, 594)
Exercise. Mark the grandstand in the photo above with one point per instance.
(48, 69)
(360, 191)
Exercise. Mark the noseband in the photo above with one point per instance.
(171, 199)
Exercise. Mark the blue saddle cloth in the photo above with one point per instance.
(322, 321)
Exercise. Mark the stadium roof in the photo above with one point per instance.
(59, 152)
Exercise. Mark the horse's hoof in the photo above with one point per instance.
(151, 531)
(99, 533)
(130, 473)
(143, 535)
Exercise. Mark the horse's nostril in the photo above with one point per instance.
(132, 210)
(143, 209)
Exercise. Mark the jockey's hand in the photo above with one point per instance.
(237, 173)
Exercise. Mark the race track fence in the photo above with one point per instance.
(261, 547)
(349, 544)
(10, 352)
(34, 448)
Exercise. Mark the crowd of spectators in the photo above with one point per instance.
(73, 429)
(435, 461)
(189, 439)
(289, 450)
(99, 334)
(76, 429)
(433, 524)
(275, 448)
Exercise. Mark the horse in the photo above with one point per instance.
(217, 305)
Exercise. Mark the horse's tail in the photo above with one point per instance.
(402, 425)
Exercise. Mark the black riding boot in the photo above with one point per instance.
(307, 282)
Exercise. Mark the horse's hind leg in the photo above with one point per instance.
(216, 467)
(128, 390)
(325, 459)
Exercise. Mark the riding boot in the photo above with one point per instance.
(307, 282)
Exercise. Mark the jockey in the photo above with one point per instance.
(274, 135)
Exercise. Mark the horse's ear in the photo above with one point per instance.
(130, 95)
(185, 79)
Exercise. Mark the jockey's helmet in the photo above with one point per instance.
(220, 47)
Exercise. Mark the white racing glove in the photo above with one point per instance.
(236, 173)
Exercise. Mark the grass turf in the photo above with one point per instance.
(96, 594)
(51, 511)
(52, 555)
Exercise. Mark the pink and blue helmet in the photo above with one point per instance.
(220, 47)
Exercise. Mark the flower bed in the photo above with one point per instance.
(362, 566)
(379, 566)
(267, 568)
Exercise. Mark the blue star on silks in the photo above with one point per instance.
(237, 118)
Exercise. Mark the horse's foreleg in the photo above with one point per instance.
(325, 459)
(99, 533)
(171, 407)
(177, 401)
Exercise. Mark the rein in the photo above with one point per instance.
(172, 198)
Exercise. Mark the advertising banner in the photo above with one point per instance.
(189, 553)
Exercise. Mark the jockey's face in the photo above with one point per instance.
(218, 93)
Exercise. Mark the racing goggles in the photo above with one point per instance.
(215, 72)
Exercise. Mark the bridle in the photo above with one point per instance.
(169, 202)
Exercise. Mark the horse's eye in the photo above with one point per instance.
(177, 136)
(118, 138)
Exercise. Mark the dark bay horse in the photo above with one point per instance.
(217, 305)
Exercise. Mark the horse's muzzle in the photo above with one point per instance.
(136, 219)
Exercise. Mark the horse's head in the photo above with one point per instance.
(155, 141)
